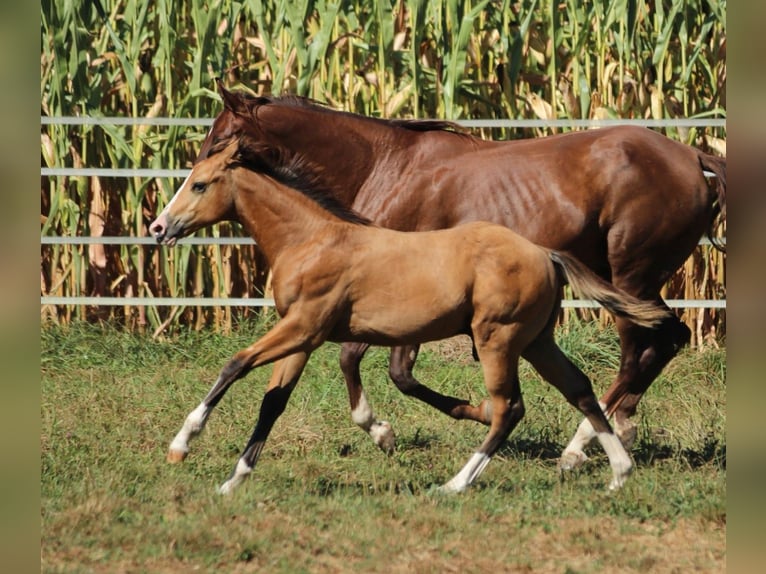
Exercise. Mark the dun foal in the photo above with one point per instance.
(338, 278)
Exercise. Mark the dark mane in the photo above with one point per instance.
(300, 177)
(293, 101)
(296, 174)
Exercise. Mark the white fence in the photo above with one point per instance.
(261, 302)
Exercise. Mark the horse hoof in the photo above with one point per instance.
(616, 484)
(627, 433)
(176, 456)
(570, 460)
(448, 489)
(442, 490)
(383, 435)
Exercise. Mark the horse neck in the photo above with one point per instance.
(318, 136)
(276, 215)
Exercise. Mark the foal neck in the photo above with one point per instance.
(278, 216)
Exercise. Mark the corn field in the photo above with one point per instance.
(386, 58)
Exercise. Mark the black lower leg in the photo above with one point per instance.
(400, 371)
(234, 370)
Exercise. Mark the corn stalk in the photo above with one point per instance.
(388, 58)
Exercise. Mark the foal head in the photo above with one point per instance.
(205, 197)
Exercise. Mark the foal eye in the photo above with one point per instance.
(199, 186)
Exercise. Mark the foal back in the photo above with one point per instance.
(409, 288)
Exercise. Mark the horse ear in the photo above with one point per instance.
(242, 152)
(231, 101)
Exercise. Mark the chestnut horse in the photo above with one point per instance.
(336, 278)
(627, 201)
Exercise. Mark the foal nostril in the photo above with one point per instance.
(158, 230)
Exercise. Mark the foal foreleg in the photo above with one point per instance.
(279, 342)
(282, 382)
(361, 413)
(196, 420)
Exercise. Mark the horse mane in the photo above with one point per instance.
(294, 101)
(297, 174)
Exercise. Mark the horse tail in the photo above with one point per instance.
(714, 170)
(585, 283)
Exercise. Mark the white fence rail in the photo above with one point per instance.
(265, 302)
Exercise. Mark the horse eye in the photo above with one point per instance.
(199, 186)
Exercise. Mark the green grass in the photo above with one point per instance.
(323, 498)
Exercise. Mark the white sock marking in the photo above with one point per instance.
(618, 458)
(584, 435)
(470, 472)
(193, 425)
(380, 431)
(241, 471)
(362, 413)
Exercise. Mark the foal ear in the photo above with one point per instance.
(231, 100)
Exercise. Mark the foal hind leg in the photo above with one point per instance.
(361, 413)
(548, 359)
(281, 385)
(400, 370)
(502, 382)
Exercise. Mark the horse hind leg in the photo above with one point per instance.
(400, 370)
(548, 359)
(644, 353)
(381, 432)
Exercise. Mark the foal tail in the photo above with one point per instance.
(585, 283)
(714, 170)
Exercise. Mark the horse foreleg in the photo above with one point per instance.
(282, 382)
(361, 413)
(400, 370)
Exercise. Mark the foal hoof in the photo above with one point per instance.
(444, 490)
(571, 460)
(176, 456)
(617, 483)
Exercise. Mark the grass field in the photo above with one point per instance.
(324, 499)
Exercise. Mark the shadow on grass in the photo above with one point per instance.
(644, 453)
(711, 452)
(529, 447)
